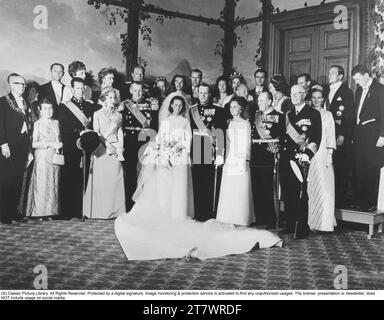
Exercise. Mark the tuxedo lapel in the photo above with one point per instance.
(371, 92)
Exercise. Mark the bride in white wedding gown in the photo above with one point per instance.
(160, 224)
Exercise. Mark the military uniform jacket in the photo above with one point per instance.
(213, 117)
(71, 126)
(342, 109)
(272, 126)
(132, 126)
(307, 128)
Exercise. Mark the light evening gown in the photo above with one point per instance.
(235, 200)
(105, 196)
(43, 194)
(321, 180)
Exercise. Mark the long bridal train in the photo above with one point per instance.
(160, 224)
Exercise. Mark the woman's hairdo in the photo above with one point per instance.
(178, 76)
(241, 101)
(104, 93)
(74, 67)
(180, 98)
(44, 100)
(105, 71)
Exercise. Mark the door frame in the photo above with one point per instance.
(358, 18)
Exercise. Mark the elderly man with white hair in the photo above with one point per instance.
(300, 143)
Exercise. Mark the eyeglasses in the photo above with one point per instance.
(22, 83)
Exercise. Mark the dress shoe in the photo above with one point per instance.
(21, 219)
(373, 208)
(6, 221)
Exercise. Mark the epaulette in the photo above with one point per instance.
(194, 105)
(217, 104)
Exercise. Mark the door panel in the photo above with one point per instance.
(314, 50)
(301, 46)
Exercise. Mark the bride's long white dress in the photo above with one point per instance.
(160, 224)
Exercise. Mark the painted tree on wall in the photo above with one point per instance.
(376, 55)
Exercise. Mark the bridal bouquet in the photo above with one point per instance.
(166, 153)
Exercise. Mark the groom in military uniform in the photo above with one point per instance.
(300, 143)
(208, 122)
(140, 120)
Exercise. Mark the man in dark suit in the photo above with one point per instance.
(196, 76)
(300, 143)
(208, 122)
(54, 90)
(74, 117)
(339, 100)
(15, 128)
(368, 138)
(260, 76)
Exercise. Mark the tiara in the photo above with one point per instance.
(235, 75)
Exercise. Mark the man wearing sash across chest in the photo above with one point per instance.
(208, 122)
(268, 124)
(300, 143)
(15, 143)
(140, 121)
(74, 117)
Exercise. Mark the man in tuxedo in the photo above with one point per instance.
(208, 122)
(368, 138)
(140, 121)
(300, 143)
(196, 76)
(74, 117)
(339, 100)
(304, 80)
(260, 76)
(15, 128)
(55, 90)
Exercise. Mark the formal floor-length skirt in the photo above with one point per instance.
(321, 193)
(105, 195)
(160, 225)
(235, 199)
(43, 194)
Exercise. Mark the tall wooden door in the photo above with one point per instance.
(314, 49)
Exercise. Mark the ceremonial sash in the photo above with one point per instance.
(109, 130)
(292, 132)
(78, 113)
(259, 128)
(138, 115)
(199, 122)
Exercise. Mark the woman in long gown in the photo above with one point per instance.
(321, 177)
(235, 200)
(43, 195)
(105, 196)
(160, 224)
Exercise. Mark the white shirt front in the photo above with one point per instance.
(362, 98)
(333, 89)
(57, 88)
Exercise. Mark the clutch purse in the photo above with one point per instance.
(58, 159)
